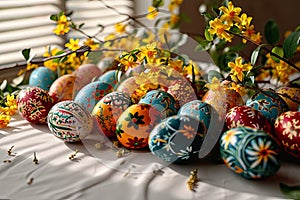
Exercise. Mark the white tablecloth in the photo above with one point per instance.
(100, 174)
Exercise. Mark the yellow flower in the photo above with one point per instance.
(11, 102)
(31, 66)
(230, 14)
(174, 4)
(215, 85)
(237, 69)
(218, 28)
(63, 20)
(91, 43)
(238, 88)
(174, 19)
(61, 29)
(245, 20)
(73, 44)
(4, 120)
(120, 28)
(152, 13)
(148, 52)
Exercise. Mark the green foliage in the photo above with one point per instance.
(290, 44)
(271, 32)
(290, 191)
(157, 3)
(255, 55)
(26, 53)
(278, 51)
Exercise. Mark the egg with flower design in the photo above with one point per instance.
(135, 124)
(162, 101)
(69, 121)
(63, 87)
(92, 93)
(287, 130)
(247, 116)
(250, 152)
(108, 110)
(270, 104)
(34, 104)
(110, 77)
(177, 139)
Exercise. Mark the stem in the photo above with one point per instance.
(266, 49)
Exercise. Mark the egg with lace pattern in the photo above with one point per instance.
(69, 121)
(34, 104)
(287, 130)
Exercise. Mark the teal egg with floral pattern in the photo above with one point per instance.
(270, 104)
(162, 101)
(250, 152)
(42, 77)
(199, 110)
(177, 139)
(69, 121)
(92, 93)
(110, 77)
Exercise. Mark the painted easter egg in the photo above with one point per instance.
(42, 77)
(86, 73)
(249, 152)
(93, 92)
(108, 110)
(270, 104)
(129, 87)
(199, 110)
(223, 100)
(182, 91)
(247, 116)
(110, 77)
(135, 124)
(162, 101)
(293, 93)
(34, 104)
(287, 130)
(177, 139)
(69, 121)
(62, 88)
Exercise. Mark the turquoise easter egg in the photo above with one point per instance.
(69, 121)
(162, 101)
(177, 139)
(199, 110)
(250, 152)
(110, 77)
(270, 104)
(93, 92)
(42, 77)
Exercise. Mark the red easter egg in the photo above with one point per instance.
(287, 130)
(247, 116)
(34, 104)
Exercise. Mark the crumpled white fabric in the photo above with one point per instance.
(99, 174)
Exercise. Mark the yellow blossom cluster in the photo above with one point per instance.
(62, 26)
(238, 69)
(231, 16)
(7, 110)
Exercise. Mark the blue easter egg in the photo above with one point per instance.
(199, 110)
(110, 77)
(93, 92)
(270, 104)
(162, 101)
(42, 77)
(177, 139)
(250, 152)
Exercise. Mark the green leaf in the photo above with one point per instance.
(207, 35)
(204, 45)
(80, 25)
(278, 51)
(255, 55)
(235, 29)
(157, 3)
(271, 32)
(290, 191)
(207, 16)
(18, 80)
(297, 28)
(26, 54)
(54, 17)
(290, 44)
(3, 85)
